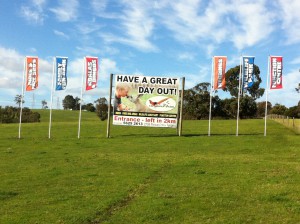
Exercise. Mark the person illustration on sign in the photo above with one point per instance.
(121, 91)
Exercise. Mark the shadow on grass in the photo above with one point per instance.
(183, 135)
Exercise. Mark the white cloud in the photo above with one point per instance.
(186, 56)
(88, 50)
(290, 19)
(288, 92)
(245, 24)
(66, 11)
(137, 26)
(107, 67)
(33, 11)
(295, 61)
(12, 73)
(254, 23)
(61, 34)
(11, 68)
(99, 9)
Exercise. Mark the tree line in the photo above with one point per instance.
(196, 102)
(11, 114)
(101, 108)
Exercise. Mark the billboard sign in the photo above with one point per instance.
(146, 101)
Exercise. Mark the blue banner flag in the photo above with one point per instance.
(248, 72)
(61, 73)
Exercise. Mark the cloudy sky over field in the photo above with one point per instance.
(153, 38)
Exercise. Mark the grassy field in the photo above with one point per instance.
(291, 123)
(148, 175)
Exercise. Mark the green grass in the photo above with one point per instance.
(291, 123)
(148, 175)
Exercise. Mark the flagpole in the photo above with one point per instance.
(51, 99)
(239, 93)
(81, 96)
(266, 109)
(211, 90)
(21, 105)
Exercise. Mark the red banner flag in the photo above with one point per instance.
(91, 72)
(32, 73)
(219, 72)
(276, 72)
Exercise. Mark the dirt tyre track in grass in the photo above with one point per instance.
(103, 216)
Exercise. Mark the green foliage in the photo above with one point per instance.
(278, 109)
(148, 175)
(261, 108)
(19, 99)
(102, 108)
(12, 115)
(68, 102)
(293, 112)
(89, 107)
(196, 102)
(232, 82)
(248, 107)
(197, 99)
(44, 104)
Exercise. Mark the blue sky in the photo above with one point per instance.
(153, 38)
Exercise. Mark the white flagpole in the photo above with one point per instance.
(211, 90)
(21, 109)
(51, 100)
(239, 93)
(82, 86)
(266, 109)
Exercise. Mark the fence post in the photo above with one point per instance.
(293, 122)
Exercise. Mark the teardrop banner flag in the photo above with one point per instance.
(91, 72)
(32, 73)
(276, 67)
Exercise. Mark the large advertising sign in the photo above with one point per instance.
(146, 101)
(32, 74)
(276, 72)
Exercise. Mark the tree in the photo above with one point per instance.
(232, 82)
(12, 114)
(19, 99)
(102, 108)
(44, 104)
(261, 108)
(229, 107)
(278, 109)
(298, 88)
(89, 107)
(293, 112)
(69, 102)
(196, 102)
(77, 103)
(248, 107)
